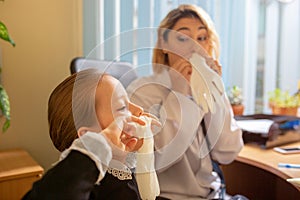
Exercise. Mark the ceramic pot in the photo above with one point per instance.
(238, 109)
(284, 111)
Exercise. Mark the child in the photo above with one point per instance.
(90, 122)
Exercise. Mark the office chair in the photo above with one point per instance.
(123, 71)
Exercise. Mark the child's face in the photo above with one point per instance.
(112, 101)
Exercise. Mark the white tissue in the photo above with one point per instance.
(207, 86)
(295, 181)
(145, 172)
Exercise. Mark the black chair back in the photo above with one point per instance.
(123, 71)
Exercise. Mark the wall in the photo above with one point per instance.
(47, 35)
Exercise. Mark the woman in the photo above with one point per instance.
(91, 123)
(184, 168)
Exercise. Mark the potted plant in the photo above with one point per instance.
(283, 103)
(236, 100)
(4, 100)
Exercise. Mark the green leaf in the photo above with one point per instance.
(4, 34)
(5, 125)
(283, 99)
(5, 108)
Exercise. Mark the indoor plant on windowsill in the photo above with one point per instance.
(236, 100)
(4, 100)
(283, 103)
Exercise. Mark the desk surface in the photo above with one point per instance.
(17, 163)
(268, 160)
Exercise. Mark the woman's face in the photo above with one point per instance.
(183, 40)
(112, 101)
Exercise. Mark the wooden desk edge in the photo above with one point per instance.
(264, 167)
(267, 166)
(38, 171)
(25, 165)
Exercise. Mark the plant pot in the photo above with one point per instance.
(284, 110)
(238, 109)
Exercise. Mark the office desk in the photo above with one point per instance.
(255, 174)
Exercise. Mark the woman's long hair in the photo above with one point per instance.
(183, 11)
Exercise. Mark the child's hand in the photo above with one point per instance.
(120, 133)
(155, 123)
(128, 136)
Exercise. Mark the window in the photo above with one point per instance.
(278, 63)
(126, 29)
(260, 43)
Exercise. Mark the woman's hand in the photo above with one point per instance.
(214, 65)
(184, 69)
(180, 74)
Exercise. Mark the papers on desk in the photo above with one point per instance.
(261, 126)
(295, 181)
(265, 130)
